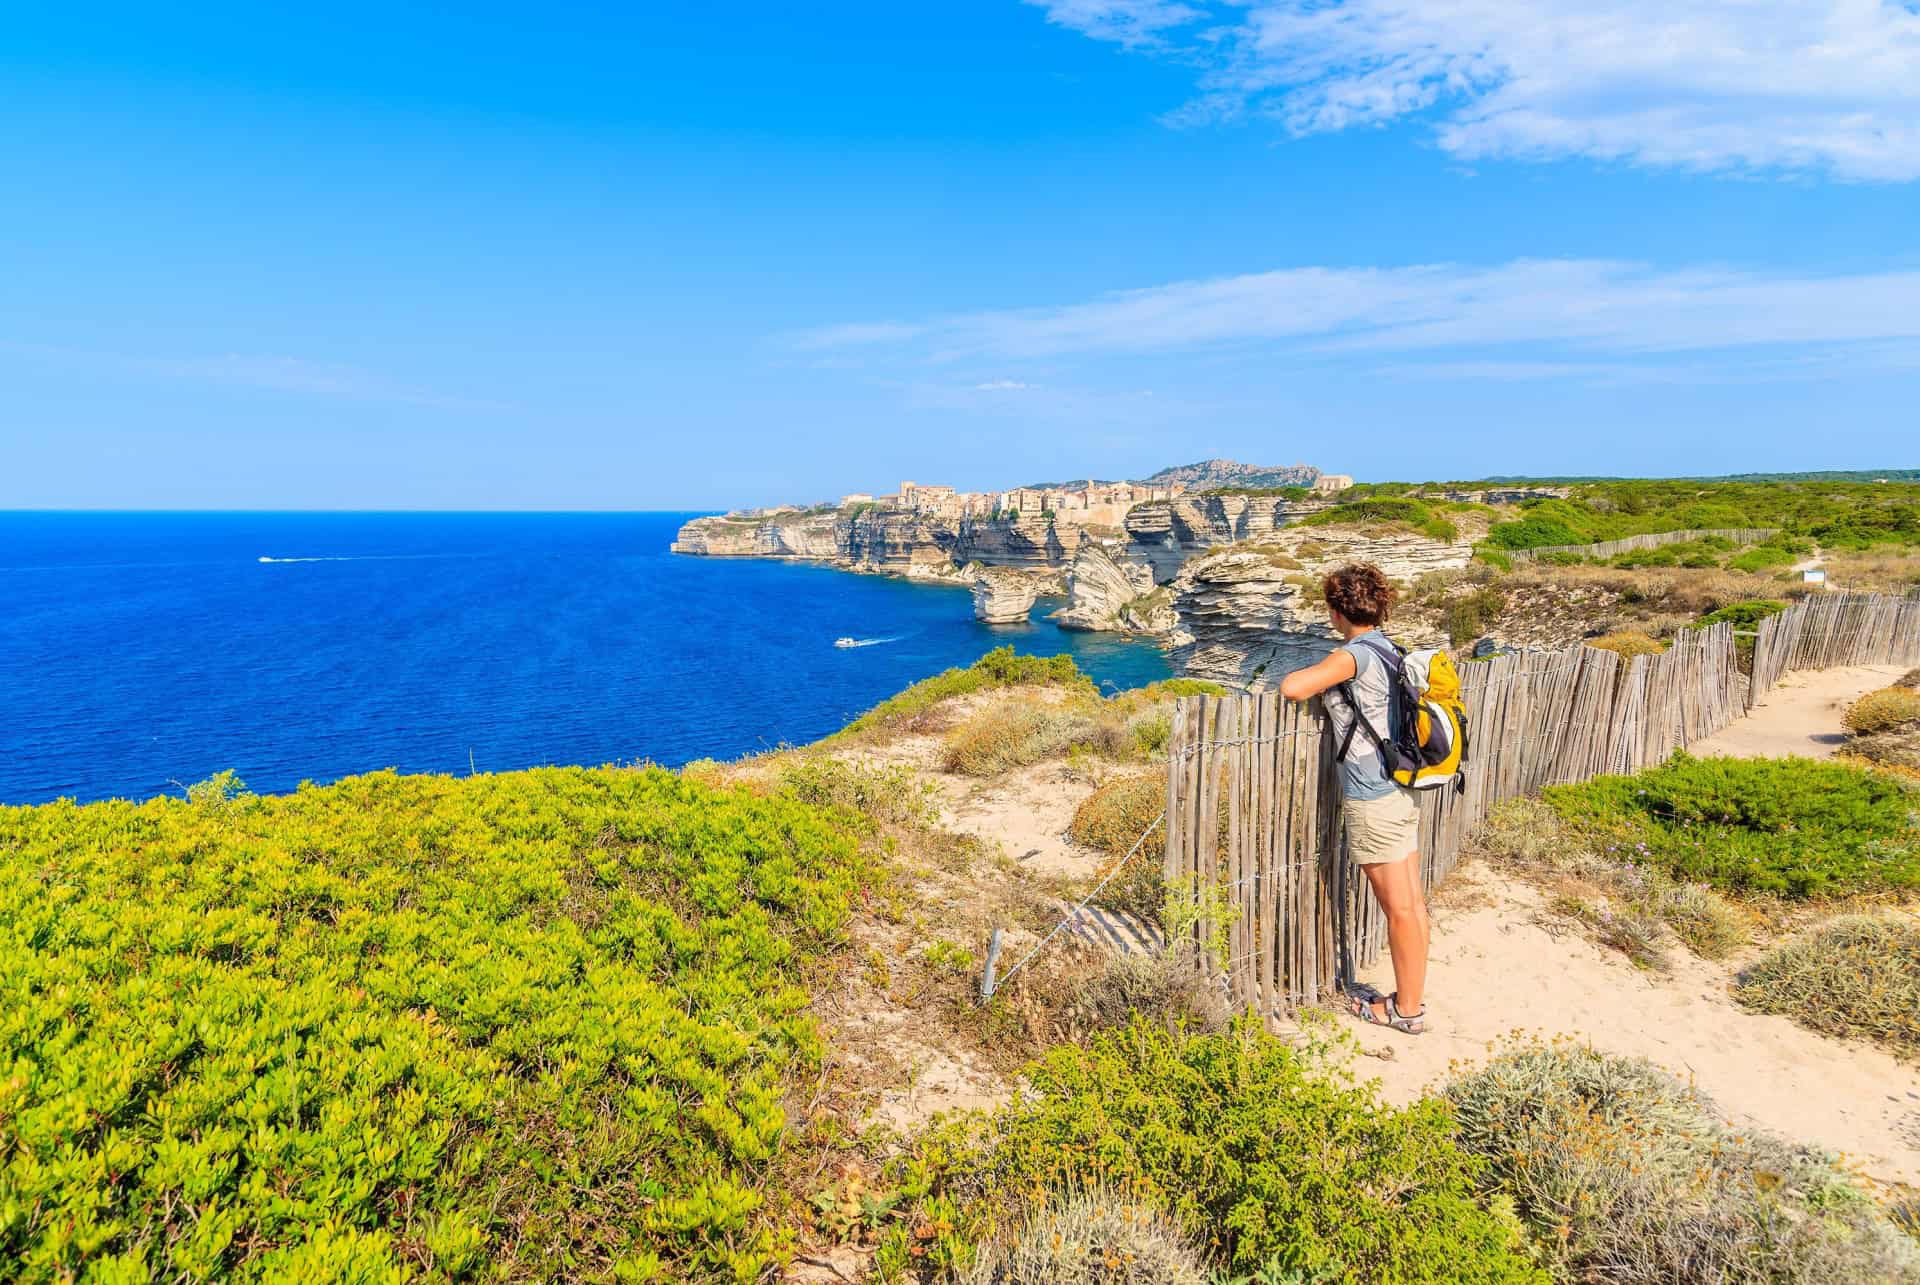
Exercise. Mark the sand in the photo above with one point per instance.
(1498, 966)
(1800, 716)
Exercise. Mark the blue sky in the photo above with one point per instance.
(685, 256)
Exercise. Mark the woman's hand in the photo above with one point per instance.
(1301, 684)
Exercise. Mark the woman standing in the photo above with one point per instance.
(1383, 818)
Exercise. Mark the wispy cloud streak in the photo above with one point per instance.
(1572, 308)
(1794, 86)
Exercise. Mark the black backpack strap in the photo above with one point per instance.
(1357, 722)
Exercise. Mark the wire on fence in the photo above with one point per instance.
(1074, 914)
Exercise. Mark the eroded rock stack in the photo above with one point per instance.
(1004, 597)
(1105, 592)
(1249, 615)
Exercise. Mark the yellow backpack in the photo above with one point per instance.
(1426, 747)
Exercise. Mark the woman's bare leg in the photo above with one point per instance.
(1396, 886)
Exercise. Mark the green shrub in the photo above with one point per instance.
(1857, 975)
(1533, 533)
(1001, 667)
(1744, 617)
(1628, 643)
(1793, 826)
(1111, 821)
(1492, 557)
(1248, 1144)
(538, 1025)
(1470, 616)
(1762, 557)
(1883, 711)
(1389, 512)
(1622, 1173)
(1096, 1237)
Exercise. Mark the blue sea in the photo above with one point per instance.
(141, 651)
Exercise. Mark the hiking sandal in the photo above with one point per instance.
(1360, 1002)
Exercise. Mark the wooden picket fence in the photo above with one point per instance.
(1832, 629)
(1636, 543)
(1253, 829)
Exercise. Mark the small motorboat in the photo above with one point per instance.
(846, 642)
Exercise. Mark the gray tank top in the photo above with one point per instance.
(1360, 774)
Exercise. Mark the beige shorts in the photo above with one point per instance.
(1381, 830)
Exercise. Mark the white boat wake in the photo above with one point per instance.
(866, 642)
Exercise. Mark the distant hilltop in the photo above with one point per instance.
(1209, 474)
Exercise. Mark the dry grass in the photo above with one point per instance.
(1012, 733)
(1622, 1173)
(1628, 644)
(1111, 820)
(1854, 976)
(1887, 569)
(1093, 1237)
(1885, 710)
(1636, 909)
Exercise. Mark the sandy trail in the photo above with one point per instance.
(1498, 966)
(1800, 716)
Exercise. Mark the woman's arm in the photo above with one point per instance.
(1314, 679)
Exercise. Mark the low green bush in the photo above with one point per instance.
(1791, 826)
(1388, 512)
(1854, 976)
(1001, 667)
(1470, 615)
(1492, 557)
(1249, 1144)
(1622, 1173)
(1744, 617)
(537, 1025)
(1762, 557)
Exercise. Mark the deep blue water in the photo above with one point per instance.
(142, 650)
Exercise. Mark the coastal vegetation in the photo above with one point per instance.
(1258, 1151)
(576, 1024)
(1620, 1172)
(1388, 515)
(1789, 827)
(1001, 667)
(399, 1025)
(1832, 514)
(1851, 976)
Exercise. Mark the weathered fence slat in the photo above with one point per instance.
(1253, 808)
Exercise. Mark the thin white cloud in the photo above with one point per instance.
(1132, 23)
(1791, 86)
(1002, 386)
(264, 371)
(1552, 310)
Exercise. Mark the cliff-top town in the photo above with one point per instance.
(1089, 502)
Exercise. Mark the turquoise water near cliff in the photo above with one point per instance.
(142, 650)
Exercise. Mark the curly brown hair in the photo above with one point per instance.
(1360, 592)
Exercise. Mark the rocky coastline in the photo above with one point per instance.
(1227, 584)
